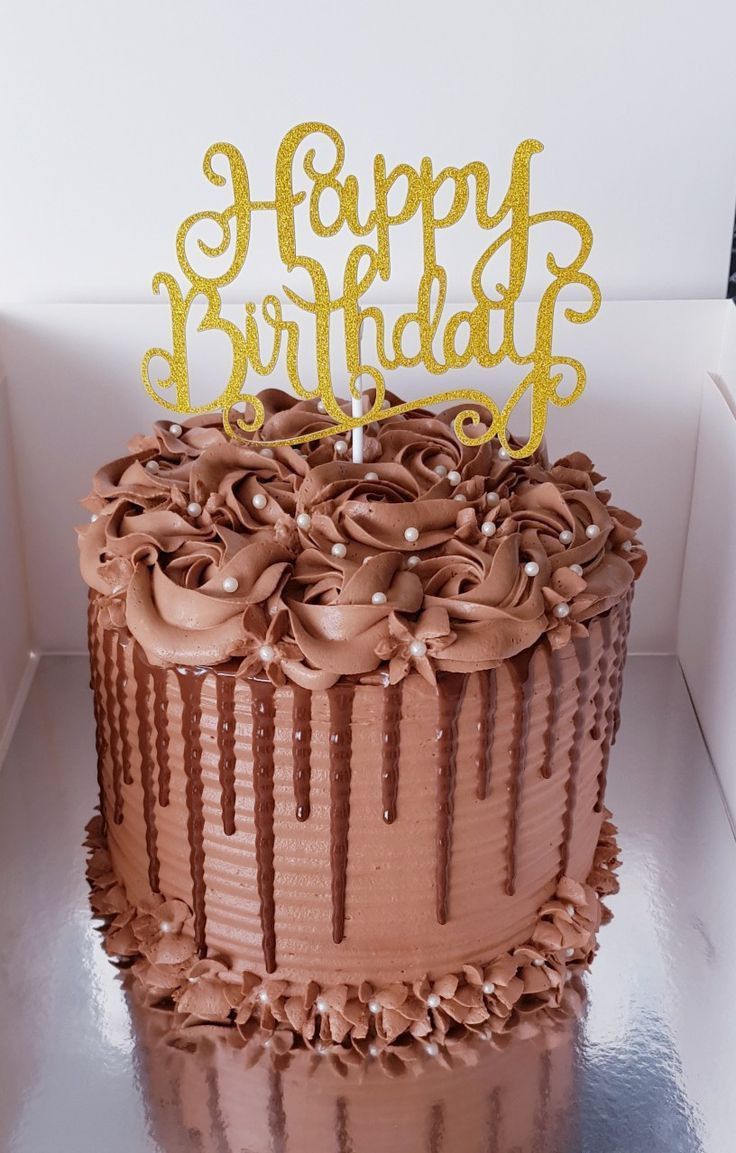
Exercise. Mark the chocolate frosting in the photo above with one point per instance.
(483, 999)
(174, 519)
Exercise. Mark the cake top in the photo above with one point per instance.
(297, 564)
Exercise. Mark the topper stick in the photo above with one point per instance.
(357, 408)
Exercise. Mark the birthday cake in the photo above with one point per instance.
(353, 723)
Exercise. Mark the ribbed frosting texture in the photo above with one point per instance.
(360, 832)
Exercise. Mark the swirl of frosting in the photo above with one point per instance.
(343, 615)
(209, 551)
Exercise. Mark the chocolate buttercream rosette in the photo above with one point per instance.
(192, 533)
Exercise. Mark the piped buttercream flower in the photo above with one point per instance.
(415, 644)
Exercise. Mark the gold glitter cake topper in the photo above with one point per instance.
(465, 336)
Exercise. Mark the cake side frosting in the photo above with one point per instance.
(417, 828)
(370, 1018)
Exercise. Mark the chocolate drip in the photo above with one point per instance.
(486, 731)
(108, 676)
(301, 747)
(494, 1121)
(262, 714)
(276, 1111)
(225, 688)
(451, 690)
(93, 642)
(391, 751)
(553, 716)
(600, 695)
(344, 1144)
(582, 653)
(542, 1128)
(161, 724)
(341, 715)
(190, 688)
(523, 690)
(140, 669)
(614, 692)
(437, 1128)
(214, 1107)
(622, 638)
(121, 684)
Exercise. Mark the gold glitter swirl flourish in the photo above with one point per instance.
(485, 330)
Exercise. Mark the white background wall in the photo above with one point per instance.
(106, 110)
(15, 630)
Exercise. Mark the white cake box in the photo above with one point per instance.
(658, 418)
(109, 117)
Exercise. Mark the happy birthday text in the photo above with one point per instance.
(483, 334)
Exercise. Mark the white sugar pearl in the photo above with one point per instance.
(503, 454)
(152, 465)
(566, 537)
(371, 476)
(304, 520)
(440, 470)
(378, 599)
(459, 496)
(341, 446)
(561, 611)
(373, 1050)
(627, 546)
(418, 649)
(453, 477)
(94, 517)
(489, 988)
(538, 961)
(166, 927)
(374, 1007)
(488, 528)
(570, 910)
(569, 952)
(577, 569)
(431, 1049)
(592, 531)
(411, 534)
(321, 406)
(321, 1005)
(492, 499)
(434, 1001)
(412, 561)
(267, 653)
(263, 996)
(268, 452)
(194, 508)
(531, 568)
(338, 550)
(230, 584)
(259, 500)
(175, 429)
